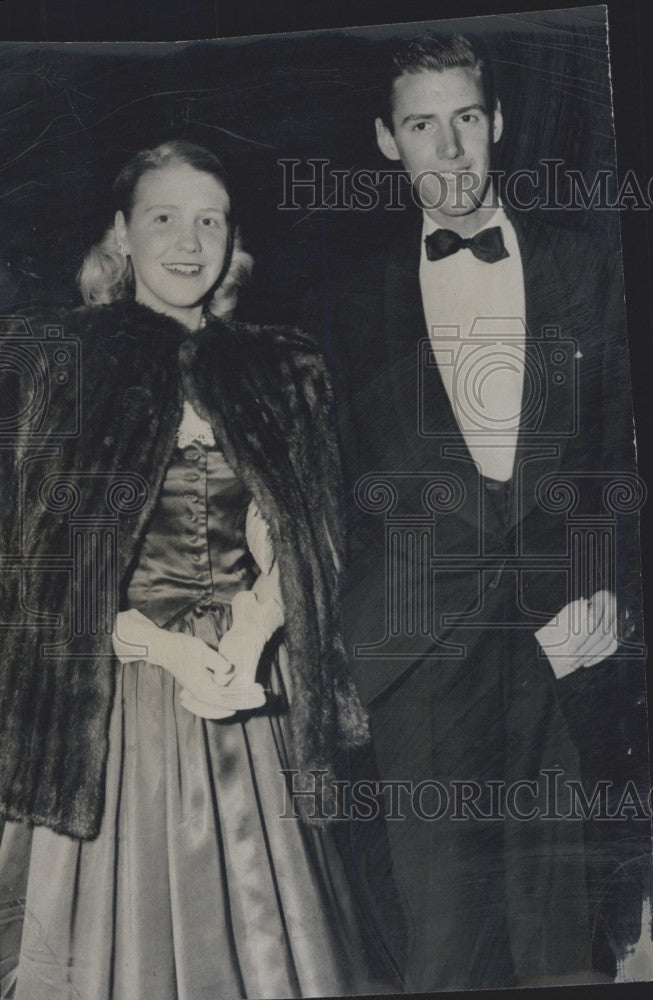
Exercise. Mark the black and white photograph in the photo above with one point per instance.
(325, 359)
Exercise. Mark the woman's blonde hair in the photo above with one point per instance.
(107, 274)
(225, 296)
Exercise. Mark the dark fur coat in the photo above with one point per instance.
(265, 393)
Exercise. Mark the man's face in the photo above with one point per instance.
(443, 133)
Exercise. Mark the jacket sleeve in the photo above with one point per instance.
(620, 449)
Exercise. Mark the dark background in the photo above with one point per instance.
(69, 115)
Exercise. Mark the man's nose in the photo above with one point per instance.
(188, 239)
(449, 146)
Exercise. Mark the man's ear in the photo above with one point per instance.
(497, 122)
(120, 227)
(385, 140)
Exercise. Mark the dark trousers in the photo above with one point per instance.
(487, 901)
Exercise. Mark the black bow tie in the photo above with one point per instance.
(486, 245)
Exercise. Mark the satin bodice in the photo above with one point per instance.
(194, 552)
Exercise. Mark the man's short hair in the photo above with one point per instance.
(434, 52)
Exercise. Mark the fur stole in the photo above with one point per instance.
(81, 478)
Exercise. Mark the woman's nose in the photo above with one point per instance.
(188, 240)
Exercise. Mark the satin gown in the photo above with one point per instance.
(195, 888)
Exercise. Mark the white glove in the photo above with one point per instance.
(203, 672)
(216, 684)
(257, 614)
(258, 538)
(253, 626)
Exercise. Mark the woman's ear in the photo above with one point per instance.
(120, 227)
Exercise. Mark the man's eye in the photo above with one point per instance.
(420, 126)
(162, 218)
(466, 119)
(208, 221)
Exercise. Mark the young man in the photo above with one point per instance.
(481, 381)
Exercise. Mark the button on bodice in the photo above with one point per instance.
(195, 550)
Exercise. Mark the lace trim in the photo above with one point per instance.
(193, 428)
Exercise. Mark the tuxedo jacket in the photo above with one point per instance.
(428, 540)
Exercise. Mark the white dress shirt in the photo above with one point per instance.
(475, 313)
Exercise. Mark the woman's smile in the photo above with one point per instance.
(184, 270)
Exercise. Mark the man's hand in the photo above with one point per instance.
(602, 639)
(582, 634)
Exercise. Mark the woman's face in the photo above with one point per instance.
(177, 239)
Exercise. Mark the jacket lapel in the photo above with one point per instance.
(403, 326)
(549, 398)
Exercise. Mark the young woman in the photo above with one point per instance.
(167, 858)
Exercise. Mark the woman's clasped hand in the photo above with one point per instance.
(213, 685)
